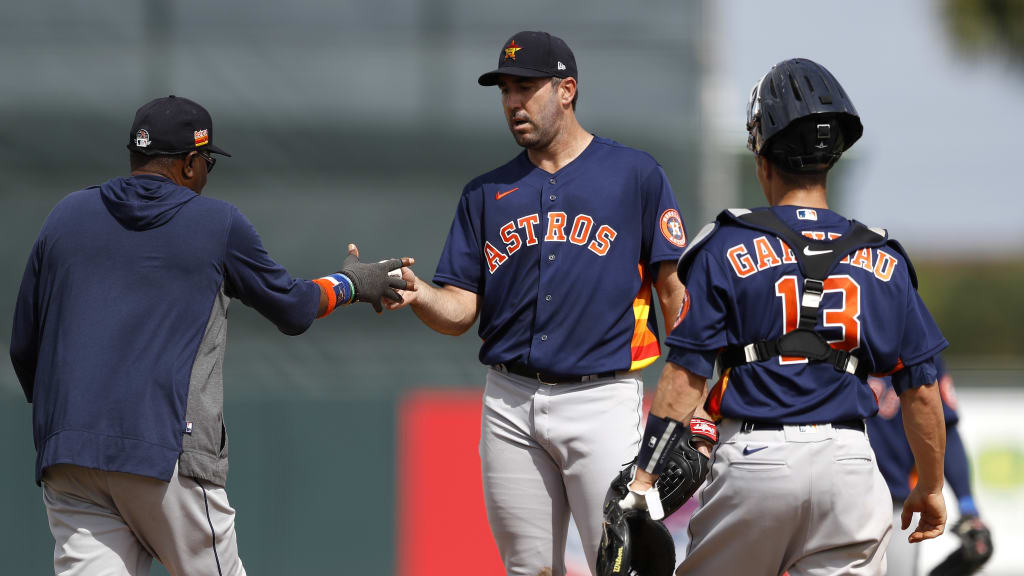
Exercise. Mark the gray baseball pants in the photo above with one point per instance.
(901, 555)
(111, 523)
(807, 500)
(547, 450)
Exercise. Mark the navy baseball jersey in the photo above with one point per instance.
(564, 262)
(889, 439)
(745, 286)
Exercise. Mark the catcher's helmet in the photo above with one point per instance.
(800, 117)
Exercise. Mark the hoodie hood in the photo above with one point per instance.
(144, 202)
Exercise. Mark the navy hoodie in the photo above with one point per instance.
(121, 322)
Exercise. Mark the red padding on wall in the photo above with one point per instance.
(442, 523)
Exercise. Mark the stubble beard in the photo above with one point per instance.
(534, 140)
(540, 137)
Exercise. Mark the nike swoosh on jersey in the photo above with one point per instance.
(501, 195)
(809, 252)
(747, 451)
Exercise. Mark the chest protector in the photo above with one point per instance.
(816, 260)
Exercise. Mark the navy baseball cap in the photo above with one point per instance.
(534, 55)
(172, 125)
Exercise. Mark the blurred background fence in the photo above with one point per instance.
(360, 122)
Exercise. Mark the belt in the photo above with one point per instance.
(750, 425)
(547, 377)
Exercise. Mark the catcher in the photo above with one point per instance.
(796, 304)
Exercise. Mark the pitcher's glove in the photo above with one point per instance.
(975, 549)
(372, 282)
(633, 543)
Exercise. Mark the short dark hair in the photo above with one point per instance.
(555, 80)
(799, 179)
(140, 161)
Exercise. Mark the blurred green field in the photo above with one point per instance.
(977, 304)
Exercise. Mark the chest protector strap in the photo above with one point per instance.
(816, 259)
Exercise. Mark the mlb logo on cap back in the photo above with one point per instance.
(533, 55)
(142, 138)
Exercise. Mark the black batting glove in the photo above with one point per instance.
(372, 282)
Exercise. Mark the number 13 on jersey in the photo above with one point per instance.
(846, 318)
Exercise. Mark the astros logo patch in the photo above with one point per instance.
(672, 227)
(511, 49)
(202, 137)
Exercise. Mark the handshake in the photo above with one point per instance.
(377, 283)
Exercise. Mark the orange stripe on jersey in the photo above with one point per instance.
(713, 406)
(899, 366)
(644, 348)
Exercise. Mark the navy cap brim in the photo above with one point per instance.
(212, 148)
(217, 150)
(491, 78)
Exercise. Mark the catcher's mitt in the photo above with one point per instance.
(975, 549)
(632, 543)
(686, 468)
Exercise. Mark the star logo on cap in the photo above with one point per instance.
(511, 49)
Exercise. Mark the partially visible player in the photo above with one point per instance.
(797, 304)
(896, 462)
(557, 252)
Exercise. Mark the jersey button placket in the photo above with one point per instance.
(549, 250)
(551, 256)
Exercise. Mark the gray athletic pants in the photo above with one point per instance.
(807, 499)
(547, 450)
(111, 523)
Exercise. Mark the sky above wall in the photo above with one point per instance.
(938, 163)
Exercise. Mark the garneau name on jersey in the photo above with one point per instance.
(579, 234)
(750, 286)
(741, 256)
